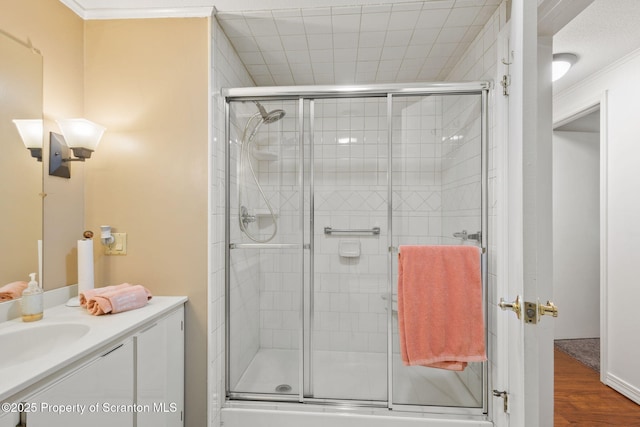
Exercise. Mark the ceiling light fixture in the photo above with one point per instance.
(561, 64)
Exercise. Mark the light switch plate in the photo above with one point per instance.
(119, 245)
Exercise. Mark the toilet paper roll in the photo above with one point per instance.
(85, 265)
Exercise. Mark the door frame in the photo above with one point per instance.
(310, 94)
(600, 101)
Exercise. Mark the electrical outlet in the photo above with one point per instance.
(119, 245)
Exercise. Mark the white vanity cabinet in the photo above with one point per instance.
(135, 379)
(97, 394)
(9, 419)
(160, 372)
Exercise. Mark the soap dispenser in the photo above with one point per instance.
(32, 305)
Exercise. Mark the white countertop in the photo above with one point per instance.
(104, 330)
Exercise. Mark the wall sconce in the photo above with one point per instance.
(30, 131)
(79, 135)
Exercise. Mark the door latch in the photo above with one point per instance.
(549, 308)
(533, 311)
(505, 399)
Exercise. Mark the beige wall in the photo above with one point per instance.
(147, 81)
(58, 33)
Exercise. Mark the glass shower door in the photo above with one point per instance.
(264, 258)
(321, 193)
(437, 191)
(350, 258)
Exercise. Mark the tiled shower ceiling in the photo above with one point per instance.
(396, 42)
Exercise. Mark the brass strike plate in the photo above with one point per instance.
(531, 313)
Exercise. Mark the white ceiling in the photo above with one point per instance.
(399, 42)
(307, 42)
(604, 32)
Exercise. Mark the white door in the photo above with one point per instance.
(525, 263)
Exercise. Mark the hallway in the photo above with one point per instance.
(581, 399)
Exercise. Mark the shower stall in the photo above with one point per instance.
(323, 184)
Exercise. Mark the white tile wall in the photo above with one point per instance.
(350, 167)
(227, 71)
(350, 311)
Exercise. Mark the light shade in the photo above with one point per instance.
(81, 133)
(30, 131)
(562, 62)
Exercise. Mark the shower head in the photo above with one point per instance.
(271, 116)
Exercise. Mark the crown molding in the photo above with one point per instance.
(74, 6)
(138, 13)
(175, 12)
(594, 77)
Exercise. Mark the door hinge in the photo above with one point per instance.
(506, 78)
(505, 399)
(505, 83)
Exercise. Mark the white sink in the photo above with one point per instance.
(23, 344)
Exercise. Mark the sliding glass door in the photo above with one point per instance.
(350, 210)
(321, 191)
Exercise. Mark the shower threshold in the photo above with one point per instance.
(358, 379)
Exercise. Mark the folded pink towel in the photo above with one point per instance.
(440, 316)
(12, 290)
(118, 300)
(90, 293)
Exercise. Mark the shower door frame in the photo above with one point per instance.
(300, 94)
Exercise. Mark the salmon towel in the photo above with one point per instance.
(440, 316)
(90, 293)
(12, 290)
(119, 299)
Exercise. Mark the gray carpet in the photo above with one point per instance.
(585, 350)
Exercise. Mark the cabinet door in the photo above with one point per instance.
(98, 394)
(10, 419)
(160, 372)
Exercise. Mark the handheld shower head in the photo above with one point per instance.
(271, 116)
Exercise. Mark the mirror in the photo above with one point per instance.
(20, 174)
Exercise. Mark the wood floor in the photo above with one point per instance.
(582, 400)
